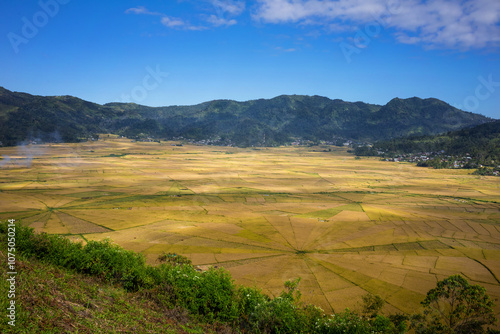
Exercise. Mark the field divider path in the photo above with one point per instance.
(240, 262)
(283, 265)
(486, 267)
(349, 275)
(228, 241)
(294, 235)
(307, 261)
(289, 244)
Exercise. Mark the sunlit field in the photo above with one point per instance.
(346, 226)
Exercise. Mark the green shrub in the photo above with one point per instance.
(372, 304)
(173, 258)
(455, 306)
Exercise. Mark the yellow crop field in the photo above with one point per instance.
(346, 226)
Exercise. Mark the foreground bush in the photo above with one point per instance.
(455, 306)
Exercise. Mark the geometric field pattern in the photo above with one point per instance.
(345, 226)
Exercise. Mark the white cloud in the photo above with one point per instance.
(230, 6)
(225, 8)
(222, 6)
(279, 48)
(436, 23)
(220, 21)
(167, 21)
(142, 10)
(172, 22)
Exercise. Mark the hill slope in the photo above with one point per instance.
(260, 122)
(479, 145)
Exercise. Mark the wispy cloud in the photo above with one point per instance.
(222, 7)
(177, 23)
(142, 10)
(167, 21)
(220, 21)
(230, 6)
(172, 22)
(279, 48)
(452, 24)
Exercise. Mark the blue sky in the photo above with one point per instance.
(181, 52)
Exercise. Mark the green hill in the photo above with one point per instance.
(467, 148)
(262, 122)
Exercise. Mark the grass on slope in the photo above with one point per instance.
(51, 299)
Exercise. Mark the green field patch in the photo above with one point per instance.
(433, 244)
(179, 189)
(325, 214)
(22, 216)
(232, 198)
(487, 245)
(404, 246)
(276, 213)
(353, 207)
(232, 260)
(243, 190)
(150, 201)
(42, 217)
(79, 226)
(94, 194)
(206, 236)
(354, 196)
(201, 199)
(187, 249)
(382, 213)
(406, 300)
(116, 155)
(253, 236)
(350, 216)
(118, 219)
(306, 173)
(354, 277)
(262, 227)
(288, 198)
(54, 225)
(385, 248)
(409, 246)
(350, 250)
(381, 288)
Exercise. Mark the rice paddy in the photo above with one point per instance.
(345, 226)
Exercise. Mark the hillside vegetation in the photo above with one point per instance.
(473, 147)
(102, 288)
(272, 122)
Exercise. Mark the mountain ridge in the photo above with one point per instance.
(260, 122)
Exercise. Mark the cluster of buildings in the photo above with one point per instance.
(442, 160)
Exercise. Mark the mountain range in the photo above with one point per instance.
(262, 122)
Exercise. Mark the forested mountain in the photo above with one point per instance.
(260, 122)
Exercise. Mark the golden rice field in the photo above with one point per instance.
(345, 226)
